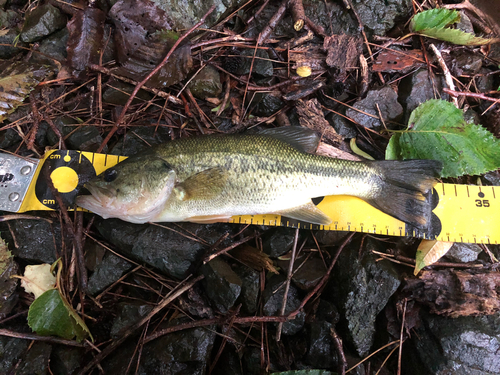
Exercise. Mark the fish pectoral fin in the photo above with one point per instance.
(209, 219)
(307, 212)
(203, 185)
(302, 139)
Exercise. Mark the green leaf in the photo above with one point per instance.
(434, 18)
(432, 23)
(51, 314)
(17, 80)
(437, 130)
(456, 36)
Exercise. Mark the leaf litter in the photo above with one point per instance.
(328, 83)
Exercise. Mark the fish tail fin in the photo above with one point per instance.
(402, 188)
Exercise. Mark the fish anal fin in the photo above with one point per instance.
(302, 139)
(308, 213)
(203, 185)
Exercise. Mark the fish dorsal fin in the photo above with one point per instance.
(307, 212)
(203, 185)
(303, 139)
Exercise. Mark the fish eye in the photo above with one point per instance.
(110, 175)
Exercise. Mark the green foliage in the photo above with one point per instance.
(437, 130)
(51, 314)
(432, 23)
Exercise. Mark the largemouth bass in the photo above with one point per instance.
(211, 178)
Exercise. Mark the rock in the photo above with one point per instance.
(66, 360)
(11, 352)
(169, 251)
(342, 126)
(8, 284)
(250, 287)
(36, 360)
(273, 300)
(360, 288)
(183, 15)
(464, 252)
(84, 138)
(35, 240)
(8, 138)
(222, 285)
(417, 89)
(140, 138)
(6, 41)
(379, 16)
(184, 352)
(465, 62)
(53, 46)
(117, 93)
(206, 84)
(387, 101)
(278, 241)
(109, 270)
(321, 353)
(460, 346)
(266, 104)
(241, 64)
(42, 21)
(306, 273)
(330, 237)
(128, 314)
(9, 18)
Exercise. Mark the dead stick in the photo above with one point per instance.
(273, 22)
(446, 72)
(151, 74)
(337, 342)
(471, 95)
(298, 14)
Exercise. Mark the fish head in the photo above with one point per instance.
(134, 190)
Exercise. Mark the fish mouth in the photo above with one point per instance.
(99, 201)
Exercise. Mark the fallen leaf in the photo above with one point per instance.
(429, 252)
(38, 279)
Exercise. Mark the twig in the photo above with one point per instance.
(166, 301)
(32, 336)
(364, 75)
(230, 247)
(401, 337)
(273, 22)
(151, 74)
(446, 72)
(471, 94)
(298, 14)
(226, 96)
(288, 280)
(337, 342)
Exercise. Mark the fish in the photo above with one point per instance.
(211, 178)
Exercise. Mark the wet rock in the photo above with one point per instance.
(206, 84)
(128, 314)
(8, 138)
(250, 287)
(251, 361)
(169, 251)
(222, 285)
(185, 352)
(66, 360)
(229, 362)
(387, 101)
(140, 138)
(241, 64)
(321, 353)
(8, 40)
(460, 346)
(417, 89)
(361, 287)
(36, 361)
(465, 62)
(266, 104)
(9, 19)
(8, 284)
(42, 21)
(185, 14)
(306, 272)
(35, 240)
(53, 46)
(11, 351)
(330, 237)
(84, 138)
(117, 93)
(465, 23)
(379, 16)
(273, 300)
(464, 252)
(110, 269)
(278, 241)
(342, 126)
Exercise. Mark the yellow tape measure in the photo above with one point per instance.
(460, 213)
